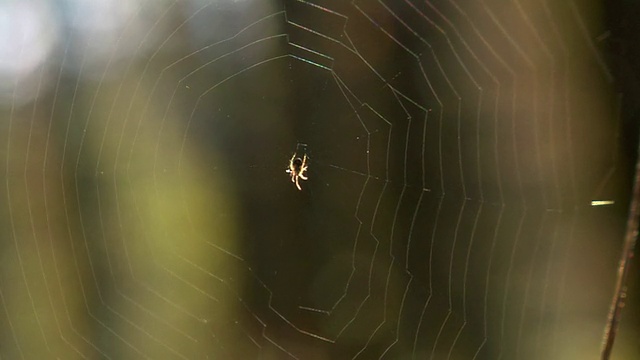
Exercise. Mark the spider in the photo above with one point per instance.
(297, 169)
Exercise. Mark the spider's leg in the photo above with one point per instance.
(298, 184)
(303, 177)
(293, 178)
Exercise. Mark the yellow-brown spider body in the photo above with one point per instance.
(297, 169)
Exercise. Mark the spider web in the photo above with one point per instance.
(454, 150)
